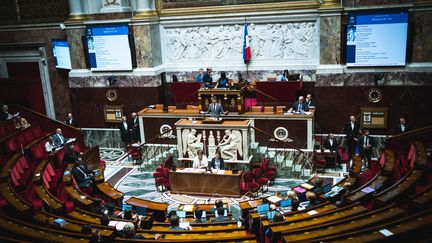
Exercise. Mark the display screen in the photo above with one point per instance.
(108, 48)
(376, 39)
(61, 54)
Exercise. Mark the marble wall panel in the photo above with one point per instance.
(122, 81)
(74, 37)
(330, 31)
(104, 138)
(422, 36)
(370, 79)
(143, 45)
(259, 75)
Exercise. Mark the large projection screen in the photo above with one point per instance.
(108, 48)
(376, 39)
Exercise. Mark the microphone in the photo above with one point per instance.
(209, 199)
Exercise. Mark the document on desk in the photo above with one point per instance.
(221, 172)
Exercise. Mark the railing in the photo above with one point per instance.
(292, 162)
(153, 153)
(48, 124)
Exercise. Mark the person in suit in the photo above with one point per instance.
(309, 101)
(215, 109)
(5, 115)
(221, 217)
(71, 121)
(223, 81)
(402, 126)
(129, 233)
(124, 131)
(217, 162)
(71, 156)
(218, 204)
(134, 128)
(82, 176)
(352, 131)
(59, 139)
(365, 147)
(200, 76)
(175, 223)
(198, 216)
(331, 144)
(299, 105)
(208, 79)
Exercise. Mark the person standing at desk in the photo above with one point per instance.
(215, 109)
(200, 161)
(217, 162)
(223, 81)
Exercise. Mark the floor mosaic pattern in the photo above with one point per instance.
(134, 182)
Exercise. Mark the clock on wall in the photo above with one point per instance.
(374, 95)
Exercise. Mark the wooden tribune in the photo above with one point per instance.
(231, 100)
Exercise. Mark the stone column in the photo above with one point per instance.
(76, 11)
(145, 9)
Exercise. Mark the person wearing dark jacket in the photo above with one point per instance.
(217, 162)
(352, 131)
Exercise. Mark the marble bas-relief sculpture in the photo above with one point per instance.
(230, 144)
(225, 42)
(191, 142)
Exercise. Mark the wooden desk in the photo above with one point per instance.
(231, 100)
(48, 198)
(376, 183)
(13, 199)
(400, 187)
(208, 184)
(111, 193)
(158, 209)
(78, 196)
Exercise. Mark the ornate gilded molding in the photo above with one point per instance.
(257, 7)
(146, 15)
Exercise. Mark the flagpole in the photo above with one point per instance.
(247, 63)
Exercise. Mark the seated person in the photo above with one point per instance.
(218, 204)
(208, 79)
(96, 237)
(299, 106)
(97, 206)
(292, 195)
(104, 220)
(331, 144)
(284, 76)
(86, 229)
(198, 216)
(278, 217)
(110, 210)
(71, 156)
(309, 101)
(175, 223)
(217, 162)
(59, 139)
(221, 217)
(49, 145)
(129, 233)
(82, 176)
(5, 115)
(295, 205)
(223, 81)
(200, 161)
(20, 122)
(128, 215)
(312, 198)
(200, 76)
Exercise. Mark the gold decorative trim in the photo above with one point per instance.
(257, 7)
(75, 18)
(145, 15)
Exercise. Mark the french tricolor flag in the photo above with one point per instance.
(246, 46)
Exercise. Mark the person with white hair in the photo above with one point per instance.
(5, 115)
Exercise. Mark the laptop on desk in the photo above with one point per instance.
(263, 209)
